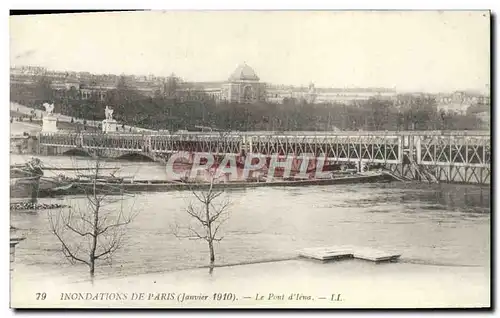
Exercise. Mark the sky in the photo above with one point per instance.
(411, 51)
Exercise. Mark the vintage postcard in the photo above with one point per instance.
(250, 159)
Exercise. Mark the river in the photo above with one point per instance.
(428, 223)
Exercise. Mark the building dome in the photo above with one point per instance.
(244, 73)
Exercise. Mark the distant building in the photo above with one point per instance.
(277, 94)
(28, 70)
(459, 102)
(199, 90)
(85, 83)
(242, 86)
(312, 94)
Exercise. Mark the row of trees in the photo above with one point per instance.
(170, 111)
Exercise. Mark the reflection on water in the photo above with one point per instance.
(432, 224)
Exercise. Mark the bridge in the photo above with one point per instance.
(446, 156)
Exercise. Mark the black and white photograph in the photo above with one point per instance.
(250, 159)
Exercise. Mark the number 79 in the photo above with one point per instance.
(41, 296)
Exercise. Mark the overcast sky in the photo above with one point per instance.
(418, 51)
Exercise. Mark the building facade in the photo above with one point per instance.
(460, 101)
(242, 86)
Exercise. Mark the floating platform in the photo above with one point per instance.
(374, 255)
(339, 252)
(325, 253)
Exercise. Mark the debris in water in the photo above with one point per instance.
(35, 206)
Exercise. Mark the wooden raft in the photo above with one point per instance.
(337, 252)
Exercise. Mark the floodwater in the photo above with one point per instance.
(429, 224)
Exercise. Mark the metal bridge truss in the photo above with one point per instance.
(464, 159)
(370, 149)
(194, 143)
(451, 157)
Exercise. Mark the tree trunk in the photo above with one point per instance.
(92, 270)
(212, 253)
(95, 224)
(34, 191)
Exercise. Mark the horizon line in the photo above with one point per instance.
(394, 88)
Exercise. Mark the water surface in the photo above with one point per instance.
(428, 224)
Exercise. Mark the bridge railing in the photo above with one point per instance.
(114, 141)
(58, 139)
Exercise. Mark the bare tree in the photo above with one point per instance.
(207, 214)
(94, 232)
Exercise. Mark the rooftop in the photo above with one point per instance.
(243, 73)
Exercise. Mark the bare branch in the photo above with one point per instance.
(202, 200)
(113, 226)
(209, 216)
(218, 226)
(190, 210)
(66, 250)
(83, 217)
(77, 231)
(114, 244)
(175, 231)
(214, 195)
(218, 211)
(97, 232)
(196, 234)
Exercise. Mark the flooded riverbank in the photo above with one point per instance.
(429, 224)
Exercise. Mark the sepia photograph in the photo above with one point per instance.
(250, 159)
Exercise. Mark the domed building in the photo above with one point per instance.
(244, 72)
(244, 86)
